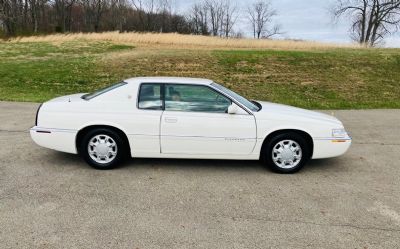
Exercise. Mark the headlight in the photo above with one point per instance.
(339, 133)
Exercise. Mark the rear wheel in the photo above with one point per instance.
(102, 148)
(286, 153)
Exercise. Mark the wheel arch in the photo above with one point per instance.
(302, 133)
(84, 130)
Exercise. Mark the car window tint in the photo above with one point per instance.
(192, 98)
(150, 97)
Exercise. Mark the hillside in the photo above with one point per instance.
(304, 74)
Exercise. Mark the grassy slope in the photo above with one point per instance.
(324, 79)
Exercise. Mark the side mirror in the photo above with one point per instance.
(232, 109)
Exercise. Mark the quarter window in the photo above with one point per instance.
(193, 98)
(150, 97)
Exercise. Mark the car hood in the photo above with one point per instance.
(279, 111)
(68, 98)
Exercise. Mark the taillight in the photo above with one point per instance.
(37, 115)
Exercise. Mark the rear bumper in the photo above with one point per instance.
(330, 147)
(56, 139)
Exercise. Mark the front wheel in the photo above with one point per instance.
(286, 153)
(102, 148)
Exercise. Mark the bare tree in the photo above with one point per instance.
(6, 17)
(146, 10)
(372, 20)
(63, 10)
(22, 17)
(216, 12)
(165, 14)
(34, 13)
(230, 18)
(260, 15)
(118, 11)
(94, 9)
(198, 19)
(215, 17)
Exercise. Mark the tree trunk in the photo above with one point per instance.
(363, 21)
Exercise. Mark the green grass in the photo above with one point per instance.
(320, 79)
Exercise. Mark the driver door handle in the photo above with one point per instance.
(171, 120)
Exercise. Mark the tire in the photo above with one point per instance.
(103, 148)
(286, 153)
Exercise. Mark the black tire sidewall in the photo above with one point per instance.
(267, 153)
(83, 148)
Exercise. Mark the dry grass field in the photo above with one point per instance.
(304, 74)
(184, 41)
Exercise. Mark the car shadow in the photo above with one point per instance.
(200, 164)
(317, 165)
(326, 165)
(65, 159)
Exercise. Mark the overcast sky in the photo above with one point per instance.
(301, 19)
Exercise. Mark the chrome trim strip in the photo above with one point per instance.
(52, 129)
(143, 135)
(227, 138)
(332, 138)
(178, 136)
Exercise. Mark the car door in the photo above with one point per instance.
(145, 130)
(195, 122)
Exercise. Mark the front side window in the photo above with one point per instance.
(194, 98)
(242, 100)
(150, 97)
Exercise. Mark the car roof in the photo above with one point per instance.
(175, 80)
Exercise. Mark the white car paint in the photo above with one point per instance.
(167, 134)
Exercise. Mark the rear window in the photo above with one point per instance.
(94, 94)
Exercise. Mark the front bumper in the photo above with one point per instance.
(56, 139)
(330, 147)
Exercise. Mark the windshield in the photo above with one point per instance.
(242, 100)
(92, 95)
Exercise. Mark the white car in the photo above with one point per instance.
(163, 117)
